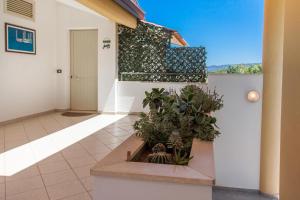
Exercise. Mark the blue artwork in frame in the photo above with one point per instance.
(20, 39)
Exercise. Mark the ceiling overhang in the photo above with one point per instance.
(132, 7)
(113, 11)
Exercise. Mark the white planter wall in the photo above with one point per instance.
(134, 189)
(237, 151)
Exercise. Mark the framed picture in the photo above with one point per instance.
(20, 39)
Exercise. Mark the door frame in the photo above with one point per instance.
(70, 66)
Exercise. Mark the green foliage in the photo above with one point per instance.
(205, 128)
(145, 54)
(200, 100)
(181, 157)
(174, 120)
(241, 69)
(153, 130)
(175, 141)
(194, 107)
(143, 49)
(154, 99)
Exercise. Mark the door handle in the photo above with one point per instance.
(75, 77)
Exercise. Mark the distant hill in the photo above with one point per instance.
(214, 68)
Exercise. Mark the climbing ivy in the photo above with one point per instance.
(145, 54)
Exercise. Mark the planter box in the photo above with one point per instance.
(114, 178)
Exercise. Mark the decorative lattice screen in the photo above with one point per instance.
(145, 55)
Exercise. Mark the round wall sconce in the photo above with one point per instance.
(253, 96)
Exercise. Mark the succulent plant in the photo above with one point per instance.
(203, 100)
(159, 148)
(159, 158)
(155, 98)
(181, 158)
(174, 120)
(175, 141)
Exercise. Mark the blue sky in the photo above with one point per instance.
(231, 30)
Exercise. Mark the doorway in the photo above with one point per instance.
(84, 70)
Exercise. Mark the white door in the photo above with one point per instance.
(84, 64)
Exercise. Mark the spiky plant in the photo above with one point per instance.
(159, 148)
(175, 120)
(181, 157)
(159, 158)
(203, 100)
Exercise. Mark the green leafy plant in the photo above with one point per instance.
(174, 120)
(240, 69)
(181, 157)
(200, 100)
(154, 99)
(145, 54)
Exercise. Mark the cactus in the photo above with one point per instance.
(178, 144)
(181, 159)
(175, 141)
(159, 158)
(159, 148)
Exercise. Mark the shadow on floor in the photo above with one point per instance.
(235, 194)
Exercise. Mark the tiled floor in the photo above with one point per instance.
(64, 175)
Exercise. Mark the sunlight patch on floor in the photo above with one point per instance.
(22, 157)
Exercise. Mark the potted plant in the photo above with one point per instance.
(173, 121)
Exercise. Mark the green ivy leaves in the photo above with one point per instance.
(145, 54)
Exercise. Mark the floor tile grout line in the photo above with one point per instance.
(26, 134)
(47, 133)
(59, 123)
(38, 166)
(82, 147)
(90, 174)
(62, 126)
(76, 175)
(80, 181)
(92, 157)
(97, 140)
(43, 182)
(39, 162)
(19, 193)
(22, 124)
(24, 129)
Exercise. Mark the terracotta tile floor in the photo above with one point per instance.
(65, 174)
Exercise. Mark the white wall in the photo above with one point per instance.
(135, 189)
(131, 94)
(72, 16)
(27, 82)
(237, 150)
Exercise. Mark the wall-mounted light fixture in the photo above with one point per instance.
(253, 96)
